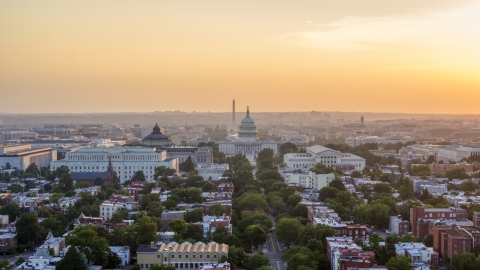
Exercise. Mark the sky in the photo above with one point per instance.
(140, 56)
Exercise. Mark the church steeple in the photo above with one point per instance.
(110, 167)
(362, 120)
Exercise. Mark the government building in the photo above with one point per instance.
(326, 156)
(126, 160)
(199, 155)
(247, 142)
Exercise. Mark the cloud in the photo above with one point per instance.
(366, 33)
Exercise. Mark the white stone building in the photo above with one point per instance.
(247, 143)
(123, 253)
(319, 154)
(309, 180)
(126, 160)
(21, 156)
(108, 208)
(215, 171)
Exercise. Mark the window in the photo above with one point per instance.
(208, 256)
(173, 256)
(179, 256)
(186, 256)
(158, 256)
(201, 256)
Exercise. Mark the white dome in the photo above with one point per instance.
(247, 131)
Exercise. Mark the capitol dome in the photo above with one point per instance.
(247, 131)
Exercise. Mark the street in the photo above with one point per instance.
(274, 252)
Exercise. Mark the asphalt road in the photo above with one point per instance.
(274, 252)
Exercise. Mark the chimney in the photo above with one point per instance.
(152, 244)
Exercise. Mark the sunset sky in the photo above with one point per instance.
(345, 55)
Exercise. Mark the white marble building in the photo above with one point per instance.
(319, 154)
(126, 160)
(247, 143)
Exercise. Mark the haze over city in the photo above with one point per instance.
(127, 56)
(240, 135)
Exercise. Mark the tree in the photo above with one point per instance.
(356, 174)
(399, 262)
(28, 229)
(288, 230)
(406, 190)
(236, 255)
(15, 188)
(113, 261)
(327, 193)
(210, 187)
(287, 147)
(265, 159)
(155, 209)
(73, 260)
(217, 209)
(8, 166)
(256, 261)
(338, 184)
(251, 202)
(420, 170)
(255, 234)
(32, 168)
(465, 261)
(431, 159)
(147, 199)
(98, 182)
(139, 176)
(196, 215)
(145, 230)
(11, 209)
(187, 166)
(179, 226)
(163, 171)
(55, 224)
(87, 240)
(457, 173)
(294, 199)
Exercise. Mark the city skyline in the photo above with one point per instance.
(119, 56)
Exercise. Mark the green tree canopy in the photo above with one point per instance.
(28, 229)
(187, 165)
(11, 209)
(73, 260)
(288, 230)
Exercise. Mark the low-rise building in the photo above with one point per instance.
(182, 256)
(418, 253)
(107, 209)
(399, 226)
(123, 253)
(344, 253)
(211, 171)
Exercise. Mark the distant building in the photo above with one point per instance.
(123, 253)
(326, 156)
(125, 160)
(21, 156)
(247, 142)
(157, 138)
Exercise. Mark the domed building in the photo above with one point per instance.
(247, 142)
(247, 131)
(157, 138)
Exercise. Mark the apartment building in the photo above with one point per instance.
(420, 214)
